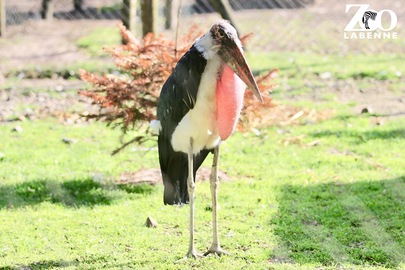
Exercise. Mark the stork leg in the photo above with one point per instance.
(191, 189)
(214, 184)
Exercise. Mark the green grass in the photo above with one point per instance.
(302, 73)
(380, 66)
(337, 205)
(287, 206)
(100, 38)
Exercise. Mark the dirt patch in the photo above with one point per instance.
(376, 99)
(54, 45)
(368, 95)
(37, 99)
(153, 176)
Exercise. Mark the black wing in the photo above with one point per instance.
(178, 96)
(179, 93)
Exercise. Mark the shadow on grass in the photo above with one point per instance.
(51, 264)
(360, 223)
(59, 264)
(73, 193)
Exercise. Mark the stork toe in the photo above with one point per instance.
(217, 251)
(191, 254)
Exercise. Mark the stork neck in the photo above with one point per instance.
(206, 46)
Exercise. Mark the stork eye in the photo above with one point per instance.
(221, 33)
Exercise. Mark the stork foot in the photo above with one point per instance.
(217, 251)
(189, 255)
(192, 254)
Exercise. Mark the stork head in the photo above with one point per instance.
(229, 48)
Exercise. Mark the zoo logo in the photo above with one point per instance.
(368, 15)
(369, 20)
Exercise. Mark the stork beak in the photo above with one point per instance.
(233, 56)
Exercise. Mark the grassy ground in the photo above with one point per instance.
(288, 205)
(327, 195)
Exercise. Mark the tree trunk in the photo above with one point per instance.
(149, 11)
(170, 10)
(129, 15)
(47, 10)
(2, 18)
(78, 5)
(223, 8)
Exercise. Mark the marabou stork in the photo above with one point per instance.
(199, 107)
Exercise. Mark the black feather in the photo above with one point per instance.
(178, 96)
